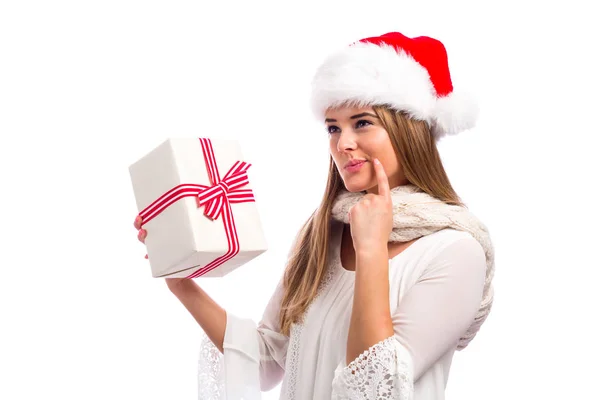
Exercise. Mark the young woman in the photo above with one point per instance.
(391, 274)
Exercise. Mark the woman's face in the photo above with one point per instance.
(356, 137)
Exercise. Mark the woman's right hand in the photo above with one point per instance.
(172, 283)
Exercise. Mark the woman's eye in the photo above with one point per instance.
(332, 128)
(362, 123)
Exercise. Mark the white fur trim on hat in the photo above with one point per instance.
(367, 74)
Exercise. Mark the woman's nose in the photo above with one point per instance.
(347, 142)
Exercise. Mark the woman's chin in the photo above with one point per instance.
(356, 185)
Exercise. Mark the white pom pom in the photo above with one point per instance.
(454, 113)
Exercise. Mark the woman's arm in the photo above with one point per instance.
(370, 227)
(211, 317)
(244, 359)
(371, 321)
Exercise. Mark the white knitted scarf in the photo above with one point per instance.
(417, 214)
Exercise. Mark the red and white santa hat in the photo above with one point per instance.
(406, 74)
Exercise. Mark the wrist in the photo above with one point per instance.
(179, 286)
(371, 260)
(371, 250)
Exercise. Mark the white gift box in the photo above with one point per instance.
(182, 241)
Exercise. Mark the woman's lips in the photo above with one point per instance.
(354, 167)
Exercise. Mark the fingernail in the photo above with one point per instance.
(376, 161)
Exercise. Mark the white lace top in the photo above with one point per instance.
(436, 286)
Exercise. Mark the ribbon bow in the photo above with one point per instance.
(226, 190)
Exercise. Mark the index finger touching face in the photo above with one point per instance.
(383, 184)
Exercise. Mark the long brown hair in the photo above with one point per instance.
(417, 153)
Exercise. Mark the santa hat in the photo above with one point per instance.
(406, 74)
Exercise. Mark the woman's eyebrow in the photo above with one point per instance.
(365, 114)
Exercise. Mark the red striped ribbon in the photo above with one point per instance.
(216, 199)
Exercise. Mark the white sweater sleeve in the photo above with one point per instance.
(253, 359)
(429, 321)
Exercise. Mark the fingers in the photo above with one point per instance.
(142, 235)
(383, 185)
(141, 232)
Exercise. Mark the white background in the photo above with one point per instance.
(89, 87)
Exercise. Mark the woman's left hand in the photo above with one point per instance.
(371, 219)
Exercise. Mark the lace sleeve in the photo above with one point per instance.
(253, 358)
(235, 374)
(211, 377)
(384, 371)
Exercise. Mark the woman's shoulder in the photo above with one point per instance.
(446, 237)
(443, 253)
(444, 242)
